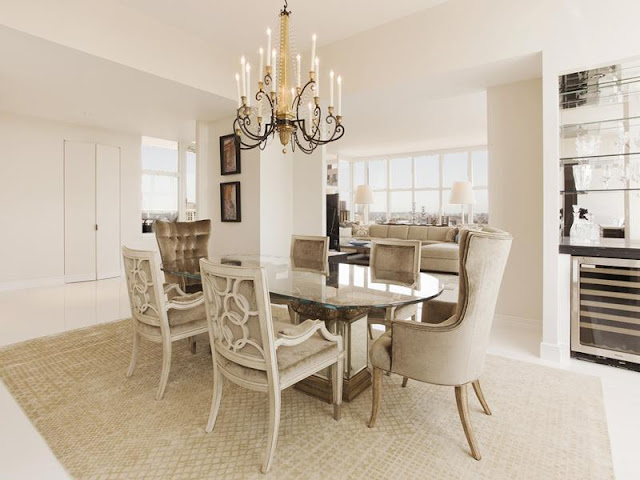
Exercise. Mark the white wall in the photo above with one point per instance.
(309, 189)
(230, 237)
(514, 117)
(276, 200)
(31, 192)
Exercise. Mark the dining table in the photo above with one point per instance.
(341, 295)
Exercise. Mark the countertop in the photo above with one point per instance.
(608, 247)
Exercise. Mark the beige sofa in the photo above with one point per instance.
(437, 254)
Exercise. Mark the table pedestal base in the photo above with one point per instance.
(320, 387)
(352, 326)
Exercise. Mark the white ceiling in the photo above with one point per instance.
(439, 112)
(47, 80)
(240, 25)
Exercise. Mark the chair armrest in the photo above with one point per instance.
(297, 334)
(172, 289)
(430, 353)
(437, 311)
(186, 301)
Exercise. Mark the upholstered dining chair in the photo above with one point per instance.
(161, 314)
(449, 346)
(254, 352)
(395, 262)
(182, 245)
(308, 254)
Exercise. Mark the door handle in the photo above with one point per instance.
(96, 227)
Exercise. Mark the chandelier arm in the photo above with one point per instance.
(239, 125)
(302, 148)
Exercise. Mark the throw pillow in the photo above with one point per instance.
(360, 231)
(452, 234)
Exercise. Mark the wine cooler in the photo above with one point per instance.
(605, 311)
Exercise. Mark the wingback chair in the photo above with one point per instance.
(395, 262)
(160, 314)
(449, 346)
(182, 245)
(254, 352)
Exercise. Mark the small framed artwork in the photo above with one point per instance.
(230, 210)
(229, 154)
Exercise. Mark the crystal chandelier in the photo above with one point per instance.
(279, 106)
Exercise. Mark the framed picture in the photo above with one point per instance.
(230, 210)
(229, 154)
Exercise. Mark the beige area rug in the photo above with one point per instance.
(546, 423)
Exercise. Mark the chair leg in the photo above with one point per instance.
(192, 344)
(166, 366)
(480, 395)
(463, 411)
(134, 353)
(215, 399)
(337, 377)
(377, 395)
(370, 331)
(404, 381)
(274, 426)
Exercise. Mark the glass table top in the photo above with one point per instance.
(346, 286)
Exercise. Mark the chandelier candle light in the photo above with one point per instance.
(283, 105)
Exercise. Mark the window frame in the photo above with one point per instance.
(441, 189)
(180, 174)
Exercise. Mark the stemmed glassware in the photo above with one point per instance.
(606, 174)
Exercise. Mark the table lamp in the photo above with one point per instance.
(364, 196)
(462, 194)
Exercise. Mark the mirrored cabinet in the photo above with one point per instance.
(600, 153)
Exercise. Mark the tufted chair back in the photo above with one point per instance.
(182, 245)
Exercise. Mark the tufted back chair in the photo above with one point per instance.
(182, 245)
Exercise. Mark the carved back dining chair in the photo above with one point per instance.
(394, 262)
(182, 245)
(160, 314)
(254, 352)
(449, 346)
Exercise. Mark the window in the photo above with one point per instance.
(418, 186)
(190, 184)
(165, 178)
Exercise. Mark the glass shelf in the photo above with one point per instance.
(613, 122)
(570, 160)
(599, 190)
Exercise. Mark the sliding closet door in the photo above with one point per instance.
(107, 211)
(79, 211)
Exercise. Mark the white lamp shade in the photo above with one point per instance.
(462, 194)
(364, 195)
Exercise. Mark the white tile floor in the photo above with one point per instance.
(31, 313)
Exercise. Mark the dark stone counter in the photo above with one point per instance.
(608, 248)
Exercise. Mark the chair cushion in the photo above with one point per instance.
(197, 327)
(398, 231)
(380, 352)
(418, 233)
(449, 251)
(378, 231)
(291, 360)
(438, 233)
(181, 317)
(280, 313)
